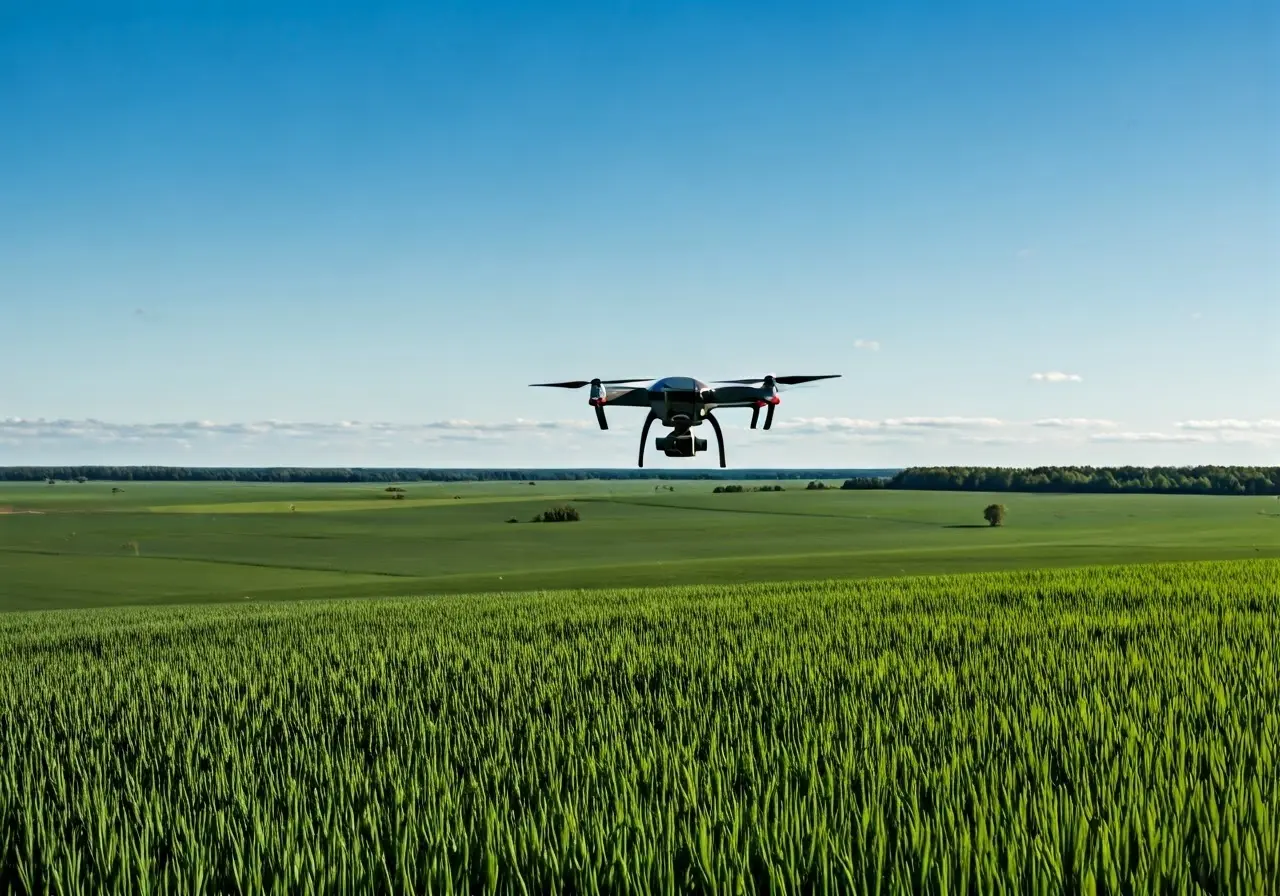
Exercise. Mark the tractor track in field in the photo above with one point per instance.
(188, 559)
(926, 524)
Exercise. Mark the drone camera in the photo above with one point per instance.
(684, 445)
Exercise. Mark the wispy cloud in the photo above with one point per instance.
(889, 440)
(1149, 437)
(893, 424)
(943, 422)
(16, 429)
(1074, 423)
(1230, 425)
(870, 345)
(1057, 376)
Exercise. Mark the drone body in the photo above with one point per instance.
(683, 402)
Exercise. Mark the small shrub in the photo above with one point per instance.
(994, 514)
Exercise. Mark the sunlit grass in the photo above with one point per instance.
(1094, 729)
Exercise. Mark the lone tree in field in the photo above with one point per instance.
(994, 514)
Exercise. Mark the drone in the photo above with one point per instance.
(682, 402)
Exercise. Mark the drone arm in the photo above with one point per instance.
(739, 396)
(630, 398)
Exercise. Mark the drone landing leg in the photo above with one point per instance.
(755, 416)
(644, 433)
(768, 417)
(715, 424)
(604, 424)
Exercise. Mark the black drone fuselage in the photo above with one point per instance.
(683, 402)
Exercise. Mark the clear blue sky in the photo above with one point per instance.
(401, 214)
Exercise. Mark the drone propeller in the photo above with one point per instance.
(598, 392)
(773, 384)
(782, 380)
(578, 384)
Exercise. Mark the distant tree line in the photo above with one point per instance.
(393, 474)
(1199, 480)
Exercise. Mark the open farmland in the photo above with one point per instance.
(1091, 730)
(81, 545)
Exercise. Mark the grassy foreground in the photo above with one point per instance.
(1092, 730)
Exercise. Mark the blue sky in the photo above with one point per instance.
(228, 229)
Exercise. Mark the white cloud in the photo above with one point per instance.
(870, 345)
(1074, 423)
(943, 422)
(1236, 425)
(995, 440)
(1057, 376)
(818, 441)
(895, 428)
(17, 429)
(827, 424)
(1149, 437)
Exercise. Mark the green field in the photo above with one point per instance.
(159, 543)
(788, 704)
(1107, 730)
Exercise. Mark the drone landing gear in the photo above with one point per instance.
(768, 417)
(644, 433)
(679, 431)
(715, 424)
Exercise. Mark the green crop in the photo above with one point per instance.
(1092, 730)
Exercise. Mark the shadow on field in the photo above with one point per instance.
(967, 526)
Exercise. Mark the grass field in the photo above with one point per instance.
(789, 706)
(157, 543)
(1096, 730)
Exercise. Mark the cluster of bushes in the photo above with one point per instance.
(742, 488)
(566, 513)
(815, 485)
